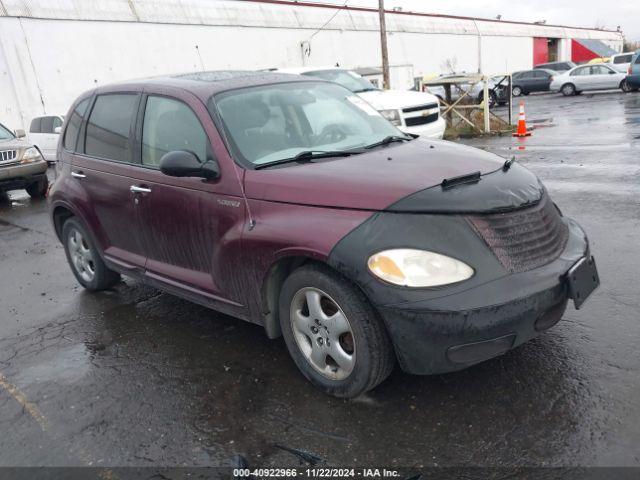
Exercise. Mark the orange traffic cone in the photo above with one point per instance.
(522, 124)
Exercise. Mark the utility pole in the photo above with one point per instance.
(383, 45)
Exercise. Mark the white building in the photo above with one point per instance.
(51, 50)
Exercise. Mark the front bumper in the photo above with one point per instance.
(434, 130)
(453, 331)
(20, 175)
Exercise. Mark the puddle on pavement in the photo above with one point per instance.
(66, 365)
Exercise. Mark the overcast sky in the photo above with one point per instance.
(578, 13)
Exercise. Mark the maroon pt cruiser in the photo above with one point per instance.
(289, 202)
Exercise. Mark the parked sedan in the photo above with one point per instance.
(289, 202)
(498, 91)
(589, 77)
(528, 81)
(556, 66)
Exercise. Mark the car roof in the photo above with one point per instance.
(301, 70)
(208, 83)
(548, 70)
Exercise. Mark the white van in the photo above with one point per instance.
(621, 61)
(412, 112)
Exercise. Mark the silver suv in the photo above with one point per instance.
(21, 164)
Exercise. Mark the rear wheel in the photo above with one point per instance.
(38, 189)
(625, 87)
(568, 89)
(83, 257)
(493, 99)
(334, 336)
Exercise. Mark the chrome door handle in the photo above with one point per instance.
(78, 175)
(135, 189)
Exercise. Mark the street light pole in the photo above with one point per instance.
(383, 45)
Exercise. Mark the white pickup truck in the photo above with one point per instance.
(412, 112)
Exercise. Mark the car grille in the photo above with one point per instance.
(421, 114)
(422, 120)
(8, 155)
(524, 239)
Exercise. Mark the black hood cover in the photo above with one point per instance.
(500, 190)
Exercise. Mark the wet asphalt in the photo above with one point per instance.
(136, 377)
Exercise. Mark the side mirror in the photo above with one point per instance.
(20, 133)
(611, 72)
(182, 163)
(57, 130)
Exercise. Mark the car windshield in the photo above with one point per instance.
(273, 123)
(5, 134)
(346, 78)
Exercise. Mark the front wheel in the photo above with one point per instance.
(334, 336)
(38, 189)
(625, 87)
(84, 259)
(568, 89)
(516, 91)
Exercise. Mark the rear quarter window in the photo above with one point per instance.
(109, 126)
(73, 127)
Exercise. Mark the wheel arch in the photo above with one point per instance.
(272, 285)
(59, 215)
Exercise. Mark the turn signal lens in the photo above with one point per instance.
(418, 268)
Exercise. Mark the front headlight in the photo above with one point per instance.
(31, 154)
(418, 268)
(393, 116)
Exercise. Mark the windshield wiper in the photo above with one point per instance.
(372, 89)
(308, 156)
(388, 140)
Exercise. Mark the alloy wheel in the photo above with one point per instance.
(81, 256)
(323, 333)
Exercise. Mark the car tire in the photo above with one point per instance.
(38, 189)
(84, 258)
(568, 89)
(516, 91)
(625, 87)
(348, 328)
(493, 99)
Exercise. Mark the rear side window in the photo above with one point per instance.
(73, 127)
(35, 125)
(47, 125)
(109, 126)
(171, 125)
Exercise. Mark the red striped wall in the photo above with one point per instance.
(580, 53)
